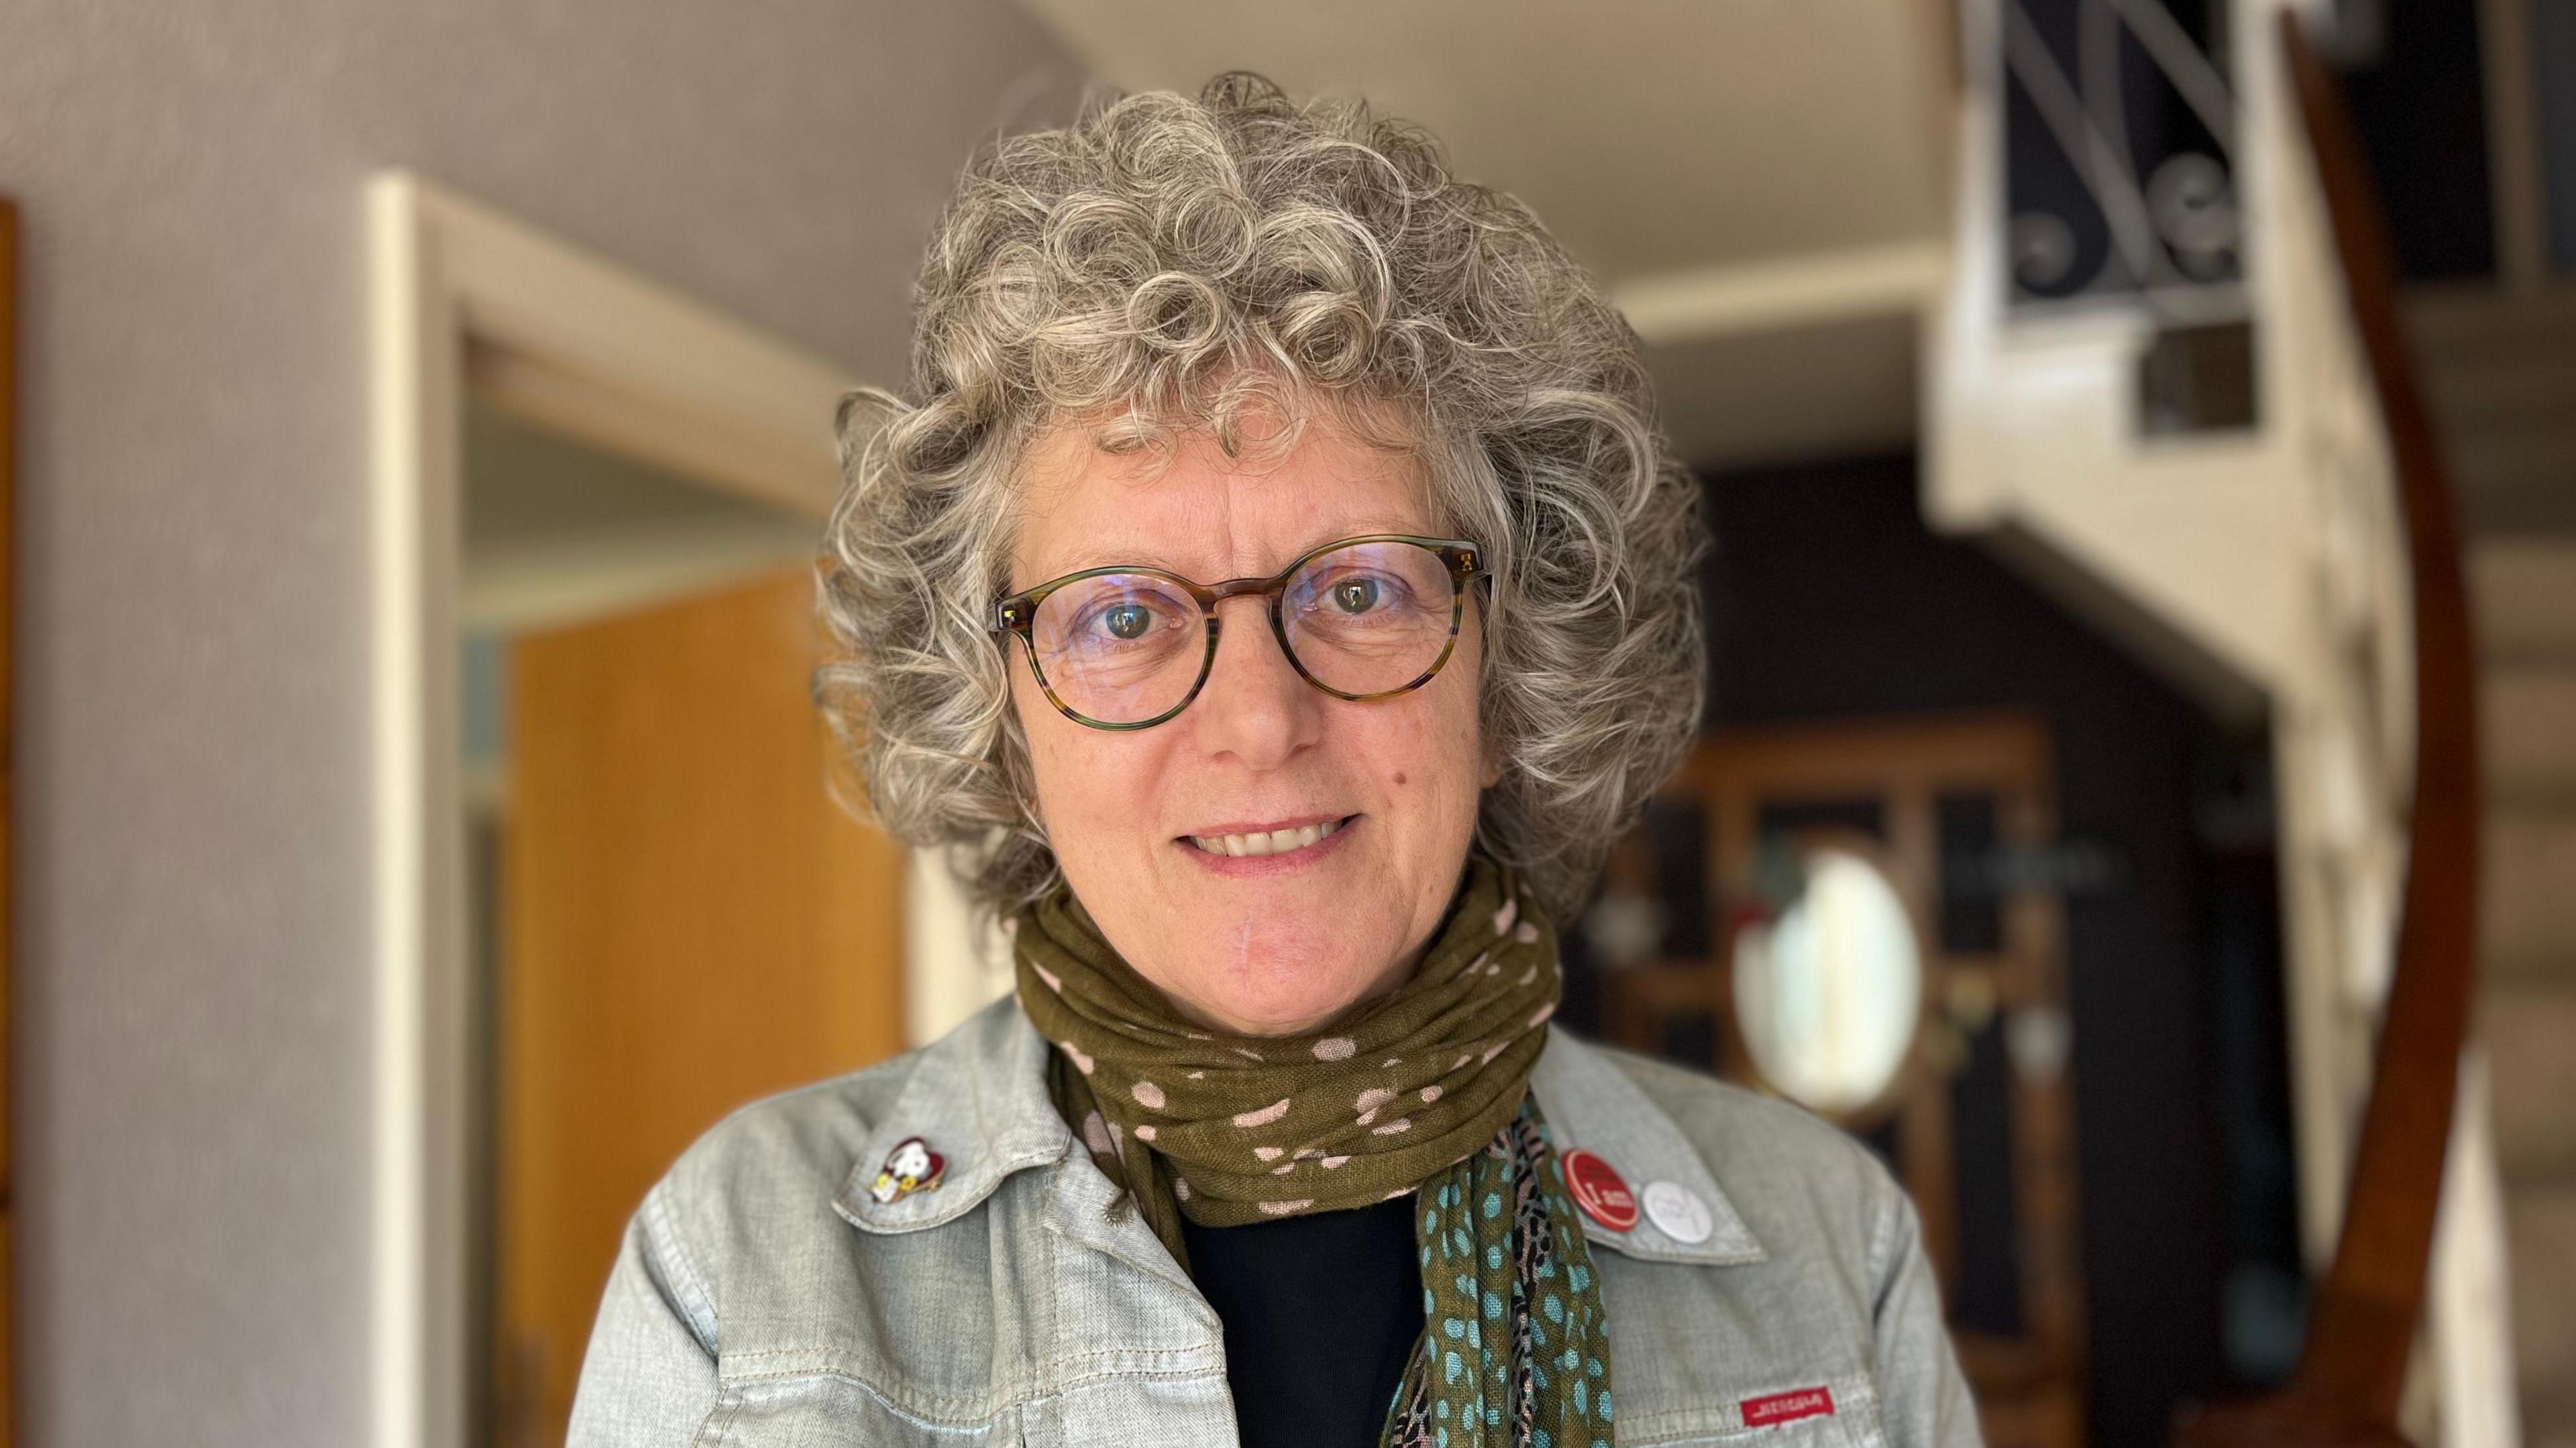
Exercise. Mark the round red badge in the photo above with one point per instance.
(1599, 1190)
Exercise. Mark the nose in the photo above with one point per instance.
(1255, 706)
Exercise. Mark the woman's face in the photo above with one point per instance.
(1278, 944)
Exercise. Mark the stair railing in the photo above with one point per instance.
(2363, 1324)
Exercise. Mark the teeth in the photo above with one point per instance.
(1265, 842)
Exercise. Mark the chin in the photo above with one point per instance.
(1283, 991)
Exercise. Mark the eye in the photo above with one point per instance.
(1127, 621)
(1355, 595)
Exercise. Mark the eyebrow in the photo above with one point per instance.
(1119, 556)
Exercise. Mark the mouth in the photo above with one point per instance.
(1269, 843)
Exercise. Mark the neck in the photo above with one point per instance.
(1215, 1016)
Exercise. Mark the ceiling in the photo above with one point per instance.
(1679, 149)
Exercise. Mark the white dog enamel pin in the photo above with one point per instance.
(911, 1167)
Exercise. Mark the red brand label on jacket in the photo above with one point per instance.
(1787, 1407)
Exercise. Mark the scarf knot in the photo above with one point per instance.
(1422, 1092)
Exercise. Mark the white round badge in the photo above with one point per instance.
(1678, 1213)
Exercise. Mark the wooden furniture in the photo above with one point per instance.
(2363, 1325)
(1931, 802)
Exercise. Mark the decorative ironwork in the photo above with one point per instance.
(2119, 141)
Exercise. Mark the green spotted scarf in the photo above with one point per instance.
(1421, 1092)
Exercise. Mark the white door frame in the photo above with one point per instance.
(461, 296)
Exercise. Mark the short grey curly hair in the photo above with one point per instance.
(1168, 264)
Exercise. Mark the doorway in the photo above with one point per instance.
(615, 896)
(669, 915)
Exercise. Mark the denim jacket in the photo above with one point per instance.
(764, 1297)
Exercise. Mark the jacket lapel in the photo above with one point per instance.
(1590, 1103)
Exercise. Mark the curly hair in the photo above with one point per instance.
(1167, 264)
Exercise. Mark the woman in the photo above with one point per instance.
(1277, 598)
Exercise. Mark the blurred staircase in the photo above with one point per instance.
(2502, 372)
(2501, 368)
(2264, 567)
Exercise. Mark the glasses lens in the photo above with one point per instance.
(1370, 617)
(1120, 648)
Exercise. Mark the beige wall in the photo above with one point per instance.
(193, 973)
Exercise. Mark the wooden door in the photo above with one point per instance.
(688, 922)
(1960, 813)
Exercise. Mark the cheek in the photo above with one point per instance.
(1057, 759)
(1434, 767)
(1087, 781)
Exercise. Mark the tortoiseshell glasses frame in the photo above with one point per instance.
(1461, 561)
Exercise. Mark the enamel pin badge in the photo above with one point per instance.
(911, 1167)
(1599, 1190)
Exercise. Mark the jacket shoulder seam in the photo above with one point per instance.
(671, 1252)
(1886, 1238)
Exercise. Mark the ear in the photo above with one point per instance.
(1491, 772)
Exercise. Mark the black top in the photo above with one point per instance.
(1321, 1314)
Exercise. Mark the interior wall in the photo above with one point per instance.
(193, 976)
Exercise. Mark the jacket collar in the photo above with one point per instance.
(1590, 1103)
(978, 1096)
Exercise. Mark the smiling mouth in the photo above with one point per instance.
(1269, 842)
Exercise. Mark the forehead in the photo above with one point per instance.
(1200, 513)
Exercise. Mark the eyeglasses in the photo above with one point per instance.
(1129, 647)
